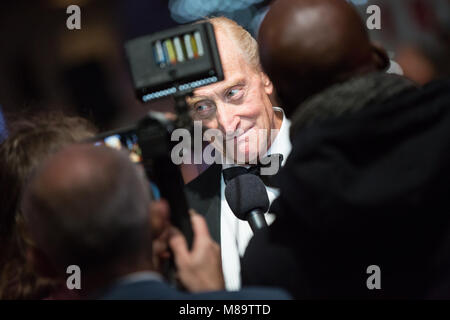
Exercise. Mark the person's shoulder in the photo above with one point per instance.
(142, 290)
(248, 293)
(157, 290)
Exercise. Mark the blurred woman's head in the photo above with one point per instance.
(29, 143)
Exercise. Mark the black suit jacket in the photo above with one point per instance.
(203, 195)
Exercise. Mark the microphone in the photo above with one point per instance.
(247, 197)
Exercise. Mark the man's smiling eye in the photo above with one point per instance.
(233, 93)
(202, 108)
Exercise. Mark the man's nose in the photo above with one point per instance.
(228, 120)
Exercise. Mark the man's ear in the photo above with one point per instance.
(268, 85)
(380, 57)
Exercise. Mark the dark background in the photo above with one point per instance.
(45, 66)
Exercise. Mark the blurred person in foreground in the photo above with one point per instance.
(366, 183)
(99, 215)
(29, 143)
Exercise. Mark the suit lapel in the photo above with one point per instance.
(203, 195)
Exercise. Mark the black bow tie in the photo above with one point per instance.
(233, 172)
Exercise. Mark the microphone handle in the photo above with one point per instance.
(256, 220)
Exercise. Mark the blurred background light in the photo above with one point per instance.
(243, 11)
(46, 66)
(358, 2)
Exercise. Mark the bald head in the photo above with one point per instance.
(88, 206)
(308, 45)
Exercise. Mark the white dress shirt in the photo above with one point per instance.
(234, 233)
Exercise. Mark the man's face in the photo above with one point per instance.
(239, 106)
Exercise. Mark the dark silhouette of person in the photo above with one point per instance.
(366, 183)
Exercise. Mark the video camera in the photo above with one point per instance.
(174, 62)
(168, 63)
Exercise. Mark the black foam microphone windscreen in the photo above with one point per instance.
(246, 193)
